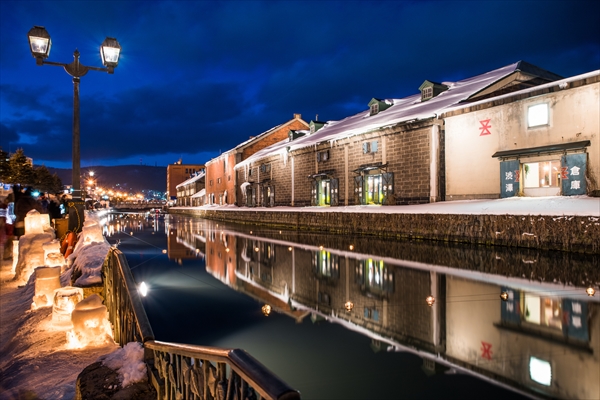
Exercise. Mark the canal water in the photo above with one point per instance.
(340, 317)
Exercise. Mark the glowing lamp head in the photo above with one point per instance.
(590, 291)
(351, 247)
(39, 43)
(110, 51)
(430, 300)
(504, 296)
(349, 306)
(266, 309)
(143, 289)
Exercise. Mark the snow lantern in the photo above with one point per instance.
(56, 260)
(90, 324)
(47, 279)
(65, 299)
(50, 247)
(36, 222)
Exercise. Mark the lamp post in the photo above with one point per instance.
(40, 44)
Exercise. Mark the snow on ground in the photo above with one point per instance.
(552, 205)
(35, 360)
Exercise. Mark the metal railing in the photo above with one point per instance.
(183, 371)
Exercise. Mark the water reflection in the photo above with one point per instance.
(543, 339)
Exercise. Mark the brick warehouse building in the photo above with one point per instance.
(392, 153)
(220, 174)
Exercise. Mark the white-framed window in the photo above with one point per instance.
(427, 93)
(537, 115)
(374, 108)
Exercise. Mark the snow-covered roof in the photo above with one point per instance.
(192, 179)
(201, 193)
(560, 83)
(253, 139)
(410, 108)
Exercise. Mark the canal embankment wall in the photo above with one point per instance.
(580, 234)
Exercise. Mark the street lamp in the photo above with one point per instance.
(110, 50)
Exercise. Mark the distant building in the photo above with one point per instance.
(177, 173)
(188, 192)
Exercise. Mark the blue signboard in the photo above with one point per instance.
(572, 174)
(575, 319)
(509, 178)
(511, 308)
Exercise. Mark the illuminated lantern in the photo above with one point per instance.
(266, 309)
(47, 279)
(349, 305)
(52, 253)
(504, 296)
(63, 305)
(90, 324)
(55, 260)
(36, 222)
(590, 291)
(430, 300)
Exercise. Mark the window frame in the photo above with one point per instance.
(546, 118)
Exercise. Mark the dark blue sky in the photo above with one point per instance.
(199, 77)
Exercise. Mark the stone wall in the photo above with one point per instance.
(566, 233)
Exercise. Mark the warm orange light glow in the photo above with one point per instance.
(349, 305)
(430, 300)
(351, 247)
(504, 296)
(590, 291)
(266, 309)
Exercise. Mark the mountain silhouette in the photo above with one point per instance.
(134, 178)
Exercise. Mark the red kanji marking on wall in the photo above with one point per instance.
(485, 127)
(486, 350)
(564, 173)
(517, 175)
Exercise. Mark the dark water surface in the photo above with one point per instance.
(208, 288)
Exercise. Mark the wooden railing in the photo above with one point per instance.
(181, 371)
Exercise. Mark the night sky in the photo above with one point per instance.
(197, 78)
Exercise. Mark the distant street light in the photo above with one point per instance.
(110, 50)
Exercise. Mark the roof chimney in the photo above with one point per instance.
(297, 116)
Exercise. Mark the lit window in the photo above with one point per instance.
(537, 115)
(540, 371)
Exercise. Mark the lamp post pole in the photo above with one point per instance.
(40, 44)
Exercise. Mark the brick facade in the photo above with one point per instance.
(406, 149)
(225, 189)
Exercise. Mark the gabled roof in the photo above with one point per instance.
(404, 110)
(253, 139)
(192, 179)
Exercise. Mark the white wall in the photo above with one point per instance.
(471, 172)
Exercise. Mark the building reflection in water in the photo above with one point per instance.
(542, 340)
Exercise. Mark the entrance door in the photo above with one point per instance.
(374, 189)
(324, 189)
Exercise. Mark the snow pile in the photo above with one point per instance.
(128, 362)
(87, 264)
(89, 254)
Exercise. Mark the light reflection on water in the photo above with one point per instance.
(391, 341)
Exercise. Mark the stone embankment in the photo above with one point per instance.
(580, 234)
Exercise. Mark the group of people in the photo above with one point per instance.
(14, 209)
